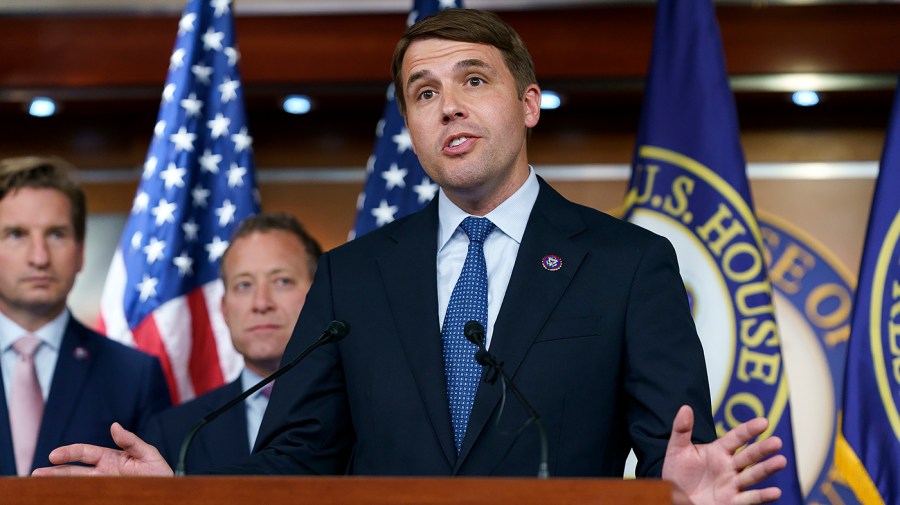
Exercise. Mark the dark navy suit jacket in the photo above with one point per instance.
(604, 348)
(97, 381)
(221, 442)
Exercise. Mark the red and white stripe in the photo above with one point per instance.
(187, 334)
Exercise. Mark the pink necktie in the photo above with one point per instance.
(26, 405)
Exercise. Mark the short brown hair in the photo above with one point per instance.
(278, 221)
(467, 25)
(38, 172)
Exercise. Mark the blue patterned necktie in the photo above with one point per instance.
(468, 302)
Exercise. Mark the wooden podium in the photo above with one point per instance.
(333, 491)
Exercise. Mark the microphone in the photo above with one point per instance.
(335, 331)
(474, 332)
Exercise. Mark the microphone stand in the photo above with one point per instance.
(336, 330)
(475, 334)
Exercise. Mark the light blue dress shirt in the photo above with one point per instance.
(255, 404)
(500, 247)
(51, 334)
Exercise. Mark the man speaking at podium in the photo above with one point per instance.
(588, 313)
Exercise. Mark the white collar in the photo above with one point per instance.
(510, 217)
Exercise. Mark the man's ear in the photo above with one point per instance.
(531, 100)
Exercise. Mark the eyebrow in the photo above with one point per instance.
(60, 227)
(53, 228)
(275, 271)
(460, 65)
(471, 62)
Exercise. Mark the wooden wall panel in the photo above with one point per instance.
(603, 42)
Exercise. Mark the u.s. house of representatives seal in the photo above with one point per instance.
(813, 304)
(757, 336)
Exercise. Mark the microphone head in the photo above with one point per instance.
(474, 332)
(483, 357)
(337, 330)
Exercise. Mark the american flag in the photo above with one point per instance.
(163, 291)
(396, 185)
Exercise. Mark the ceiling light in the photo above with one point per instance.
(42, 106)
(297, 104)
(550, 100)
(805, 98)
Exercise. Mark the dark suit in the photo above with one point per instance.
(605, 349)
(221, 442)
(96, 382)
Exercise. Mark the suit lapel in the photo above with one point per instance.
(232, 426)
(7, 458)
(410, 278)
(76, 357)
(532, 294)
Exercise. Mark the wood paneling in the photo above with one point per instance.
(232, 490)
(576, 43)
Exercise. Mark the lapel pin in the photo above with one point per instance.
(80, 353)
(552, 262)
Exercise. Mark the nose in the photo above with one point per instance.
(38, 254)
(452, 106)
(262, 299)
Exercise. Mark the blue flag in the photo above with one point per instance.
(868, 447)
(163, 291)
(689, 184)
(395, 185)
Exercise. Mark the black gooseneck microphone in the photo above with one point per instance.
(474, 332)
(335, 331)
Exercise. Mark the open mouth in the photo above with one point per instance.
(457, 141)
